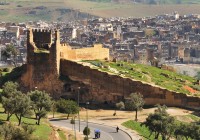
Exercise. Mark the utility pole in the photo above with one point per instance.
(87, 103)
(75, 127)
(78, 109)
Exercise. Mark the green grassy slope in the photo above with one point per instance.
(152, 75)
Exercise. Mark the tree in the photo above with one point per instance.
(9, 88)
(22, 107)
(161, 123)
(181, 131)
(10, 52)
(194, 131)
(10, 104)
(187, 131)
(198, 75)
(67, 106)
(135, 103)
(7, 98)
(86, 131)
(119, 106)
(11, 132)
(41, 103)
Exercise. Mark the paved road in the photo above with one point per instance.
(107, 132)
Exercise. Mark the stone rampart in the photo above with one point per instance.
(91, 53)
(113, 88)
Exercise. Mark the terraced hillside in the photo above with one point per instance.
(152, 75)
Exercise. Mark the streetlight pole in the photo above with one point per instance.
(87, 103)
(78, 109)
(74, 127)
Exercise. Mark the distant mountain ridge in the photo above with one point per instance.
(151, 1)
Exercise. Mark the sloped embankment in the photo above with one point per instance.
(108, 86)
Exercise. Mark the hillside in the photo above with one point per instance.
(67, 10)
(151, 1)
(152, 75)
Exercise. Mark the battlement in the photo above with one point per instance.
(41, 31)
(41, 37)
(64, 44)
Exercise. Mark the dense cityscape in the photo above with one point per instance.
(164, 38)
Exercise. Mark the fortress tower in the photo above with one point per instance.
(43, 61)
(44, 54)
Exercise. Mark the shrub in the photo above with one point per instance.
(72, 121)
(85, 138)
(6, 70)
(86, 131)
(19, 5)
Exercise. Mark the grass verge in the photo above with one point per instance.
(61, 134)
(141, 129)
(42, 131)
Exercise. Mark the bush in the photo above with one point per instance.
(19, 5)
(11, 132)
(13, 75)
(6, 70)
(72, 121)
(85, 138)
(86, 131)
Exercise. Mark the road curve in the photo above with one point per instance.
(107, 132)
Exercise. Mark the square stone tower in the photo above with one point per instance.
(43, 61)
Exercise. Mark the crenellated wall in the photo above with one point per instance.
(107, 87)
(47, 60)
(43, 63)
(43, 60)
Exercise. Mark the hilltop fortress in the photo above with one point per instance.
(53, 67)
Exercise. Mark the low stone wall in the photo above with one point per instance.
(113, 88)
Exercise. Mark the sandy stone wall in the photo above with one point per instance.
(106, 87)
(91, 53)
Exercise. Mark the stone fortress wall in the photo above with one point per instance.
(44, 52)
(90, 53)
(47, 59)
(107, 87)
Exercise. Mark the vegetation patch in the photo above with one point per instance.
(41, 51)
(152, 75)
(14, 75)
(42, 131)
(141, 129)
(61, 134)
(160, 125)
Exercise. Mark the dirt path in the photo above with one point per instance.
(106, 116)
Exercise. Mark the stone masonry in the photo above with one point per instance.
(47, 60)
